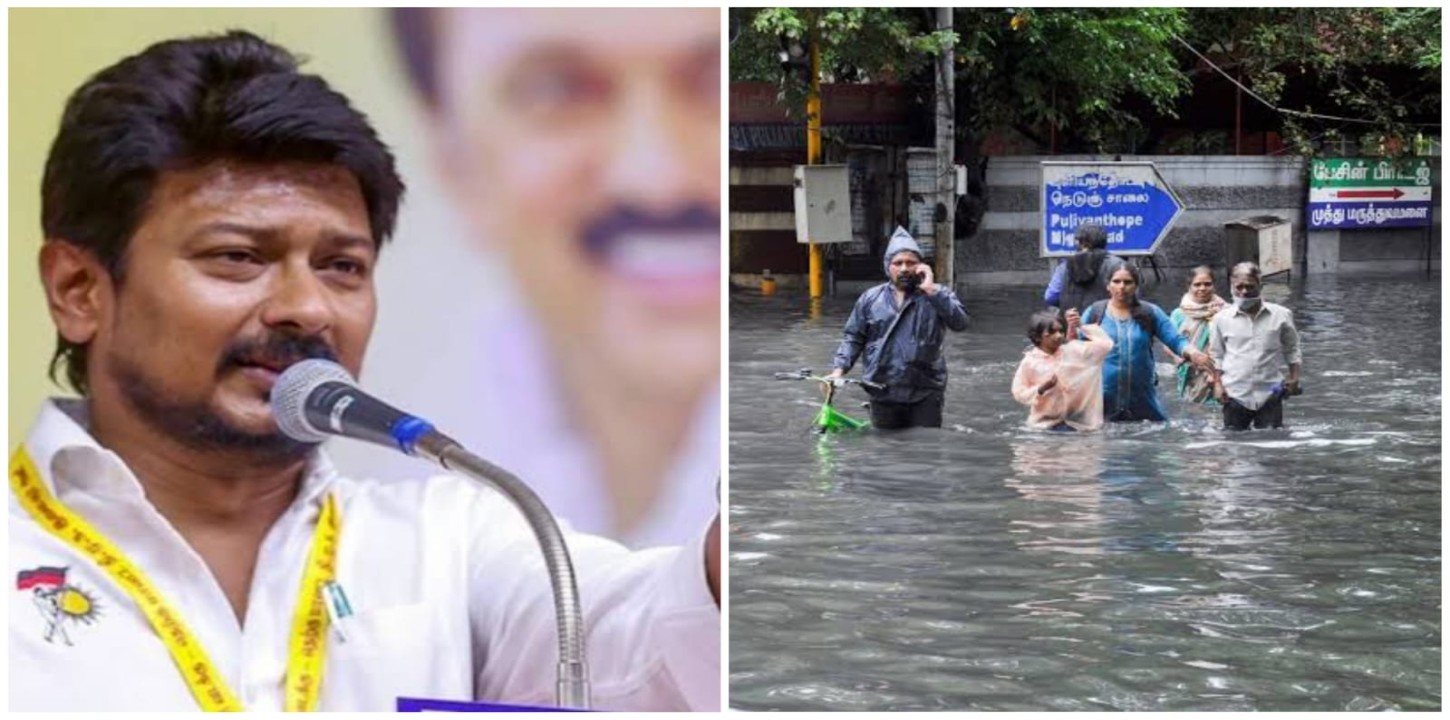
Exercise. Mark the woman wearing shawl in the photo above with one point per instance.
(1192, 318)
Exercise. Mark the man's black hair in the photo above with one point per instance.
(181, 104)
(1091, 236)
(1042, 323)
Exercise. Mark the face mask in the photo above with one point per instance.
(1247, 303)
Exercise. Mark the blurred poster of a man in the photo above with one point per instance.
(582, 148)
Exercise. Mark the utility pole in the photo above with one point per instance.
(813, 146)
(946, 142)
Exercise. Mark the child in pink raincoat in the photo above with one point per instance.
(1061, 380)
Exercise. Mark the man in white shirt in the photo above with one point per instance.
(212, 216)
(1250, 344)
(586, 162)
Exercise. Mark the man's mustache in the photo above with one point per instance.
(602, 233)
(278, 350)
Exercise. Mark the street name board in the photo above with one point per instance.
(1130, 200)
(1354, 193)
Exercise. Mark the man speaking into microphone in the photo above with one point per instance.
(212, 217)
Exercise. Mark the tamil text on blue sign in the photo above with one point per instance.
(1130, 200)
(1349, 193)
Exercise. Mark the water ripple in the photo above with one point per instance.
(1166, 567)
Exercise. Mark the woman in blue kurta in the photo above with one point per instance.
(1130, 379)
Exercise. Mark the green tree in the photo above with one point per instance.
(1379, 67)
(1088, 79)
(856, 45)
(1033, 70)
(1068, 71)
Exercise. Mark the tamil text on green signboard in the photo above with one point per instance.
(1348, 193)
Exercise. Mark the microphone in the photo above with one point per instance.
(316, 399)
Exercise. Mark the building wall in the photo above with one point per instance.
(762, 220)
(1215, 190)
(762, 213)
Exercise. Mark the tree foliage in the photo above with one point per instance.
(856, 45)
(1019, 68)
(1094, 76)
(1380, 66)
(1068, 69)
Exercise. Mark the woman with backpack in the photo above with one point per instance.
(1129, 377)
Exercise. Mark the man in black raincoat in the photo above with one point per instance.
(898, 325)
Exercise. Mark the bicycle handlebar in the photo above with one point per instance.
(805, 374)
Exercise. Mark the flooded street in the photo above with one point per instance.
(1171, 566)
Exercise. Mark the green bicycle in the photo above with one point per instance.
(829, 419)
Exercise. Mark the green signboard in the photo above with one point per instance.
(1347, 193)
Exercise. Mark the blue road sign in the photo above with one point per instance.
(1130, 200)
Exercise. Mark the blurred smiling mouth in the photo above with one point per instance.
(654, 256)
(667, 271)
(666, 258)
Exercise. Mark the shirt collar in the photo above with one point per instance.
(69, 457)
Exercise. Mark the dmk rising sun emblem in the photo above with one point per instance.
(60, 603)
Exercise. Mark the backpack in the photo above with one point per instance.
(1078, 295)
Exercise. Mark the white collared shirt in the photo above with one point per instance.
(449, 592)
(1251, 350)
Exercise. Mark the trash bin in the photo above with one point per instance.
(1264, 239)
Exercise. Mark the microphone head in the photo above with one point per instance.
(290, 393)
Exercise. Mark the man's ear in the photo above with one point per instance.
(76, 288)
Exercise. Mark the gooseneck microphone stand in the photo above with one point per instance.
(572, 687)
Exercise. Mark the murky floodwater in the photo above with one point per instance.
(1164, 567)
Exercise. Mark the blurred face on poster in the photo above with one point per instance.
(584, 147)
